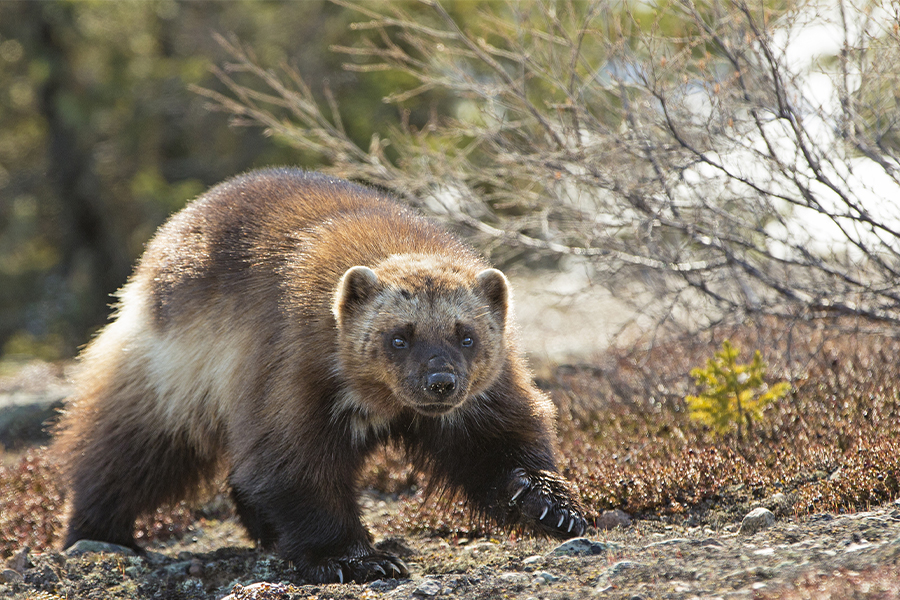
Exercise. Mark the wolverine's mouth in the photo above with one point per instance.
(435, 409)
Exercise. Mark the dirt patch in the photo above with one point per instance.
(647, 560)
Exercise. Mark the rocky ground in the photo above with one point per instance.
(820, 556)
(718, 553)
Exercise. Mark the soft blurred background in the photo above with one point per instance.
(640, 169)
(101, 138)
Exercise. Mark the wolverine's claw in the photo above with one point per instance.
(340, 574)
(380, 569)
(544, 500)
(517, 494)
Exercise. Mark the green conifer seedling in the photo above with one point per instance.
(733, 395)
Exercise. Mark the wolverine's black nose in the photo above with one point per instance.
(441, 384)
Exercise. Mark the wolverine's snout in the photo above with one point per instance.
(441, 383)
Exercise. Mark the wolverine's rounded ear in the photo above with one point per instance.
(355, 287)
(495, 287)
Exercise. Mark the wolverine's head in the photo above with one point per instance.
(429, 330)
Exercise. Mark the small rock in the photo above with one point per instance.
(271, 591)
(668, 542)
(581, 547)
(384, 585)
(428, 587)
(622, 566)
(610, 519)
(85, 546)
(196, 568)
(156, 558)
(19, 561)
(713, 542)
(536, 558)
(515, 578)
(481, 547)
(10, 576)
(546, 577)
(757, 520)
(177, 568)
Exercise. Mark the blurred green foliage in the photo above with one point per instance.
(101, 139)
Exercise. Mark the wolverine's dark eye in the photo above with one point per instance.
(467, 342)
(399, 343)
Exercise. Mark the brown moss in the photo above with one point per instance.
(627, 442)
(31, 505)
(32, 509)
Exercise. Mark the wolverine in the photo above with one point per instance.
(280, 328)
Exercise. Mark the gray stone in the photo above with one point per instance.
(25, 424)
(622, 566)
(581, 547)
(10, 576)
(515, 578)
(428, 587)
(177, 568)
(261, 589)
(668, 542)
(155, 558)
(546, 576)
(19, 561)
(85, 546)
(757, 520)
(610, 519)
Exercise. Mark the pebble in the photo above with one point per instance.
(196, 568)
(19, 560)
(581, 547)
(85, 546)
(545, 577)
(515, 578)
(428, 587)
(622, 566)
(10, 576)
(610, 519)
(177, 568)
(668, 542)
(757, 520)
(254, 590)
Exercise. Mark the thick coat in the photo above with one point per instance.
(283, 325)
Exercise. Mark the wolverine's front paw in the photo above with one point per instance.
(544, 501)
(359, 569)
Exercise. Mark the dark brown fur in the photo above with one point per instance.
(285, 324)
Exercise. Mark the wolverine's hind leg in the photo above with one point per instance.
(252, 518)
(119, 469)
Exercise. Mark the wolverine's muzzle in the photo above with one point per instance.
(440, 384)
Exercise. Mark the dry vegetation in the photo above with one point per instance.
(628, 443)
